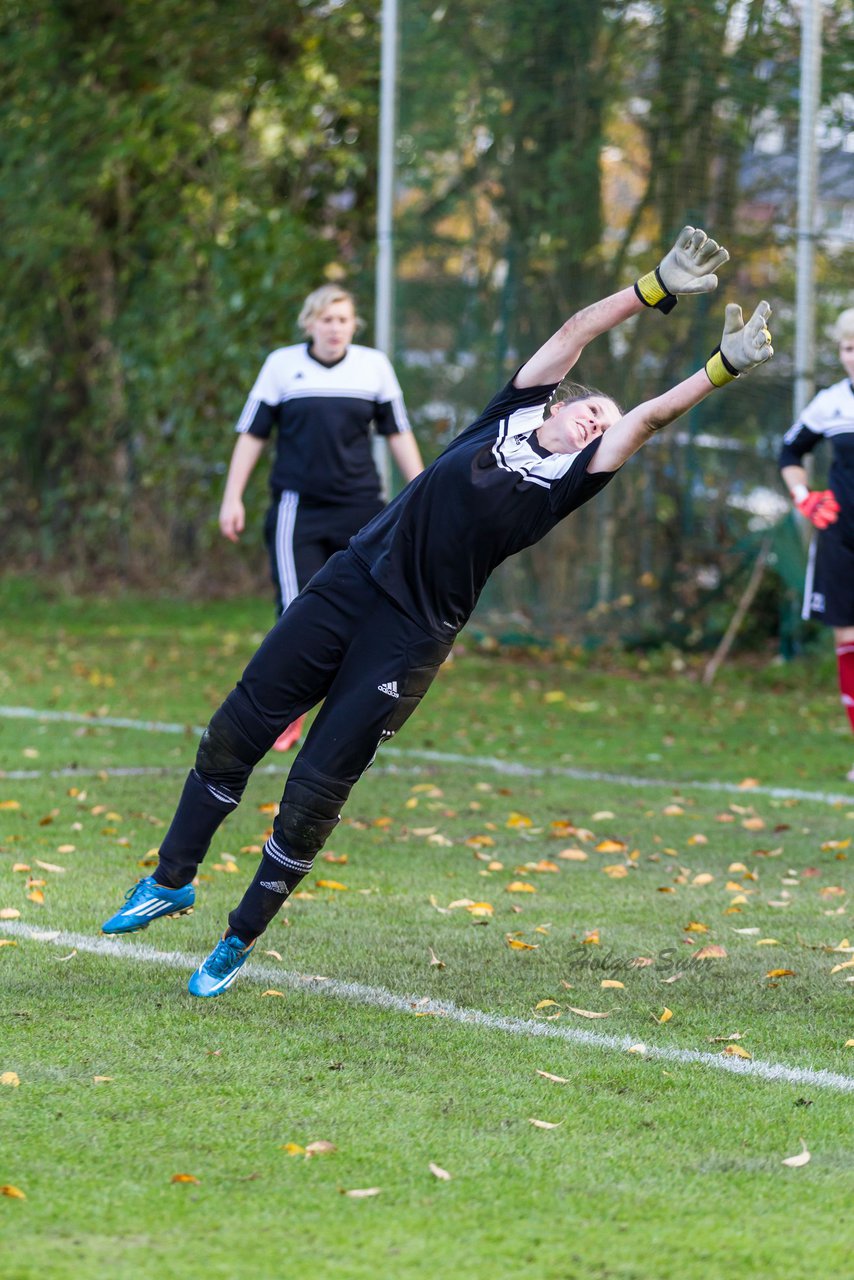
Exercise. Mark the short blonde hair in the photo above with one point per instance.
(319, 300)
(844, 327)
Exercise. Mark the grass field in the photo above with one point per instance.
(403, 1027)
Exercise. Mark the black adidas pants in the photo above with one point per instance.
(341, 641)
(301, 537)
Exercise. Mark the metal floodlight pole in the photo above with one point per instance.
(810, 89)
(384, 276)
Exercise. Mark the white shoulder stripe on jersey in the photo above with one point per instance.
(244, 422)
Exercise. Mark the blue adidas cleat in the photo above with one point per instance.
(146, 901)
(216, 974)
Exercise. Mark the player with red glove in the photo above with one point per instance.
(829, 588)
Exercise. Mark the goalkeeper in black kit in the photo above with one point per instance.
(370, 631)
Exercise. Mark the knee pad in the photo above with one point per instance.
(222, 756)
(310, 809)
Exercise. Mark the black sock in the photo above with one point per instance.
(201, 811)
(271, 885)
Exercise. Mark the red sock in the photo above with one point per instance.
(845, 663)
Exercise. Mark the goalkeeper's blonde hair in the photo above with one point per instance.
(844, 327)
(568, 392)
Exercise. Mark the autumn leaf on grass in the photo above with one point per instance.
(9, 913)
(693, 926)
(547, 1075)
(516, 944)
(330, 884)
(520, 886)
(736, 1051)
(50, 866)
(544, 1124)
(517, 820)
(10, 805)
(617, 872)
(340, 858)
(666, 1015)
(438, 1172)
(780, 973)
(434, 959)
(611, 846)
(587, 1013)
(612, 983)
(272, 992)
(591, 938)
(361, 1193)
(185, 1177)
(797, 1162)
(849, 1044)
(573, 855)
(479, 908)
(274, 954)
(10, 1078)
(712, 952)
(8, 942)
(14, 1193)
(293, 1149)
(703, 878)
(848, 964)
(102, 1079)
(320, 1148)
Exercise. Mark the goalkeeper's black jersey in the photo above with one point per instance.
(828, 416)
(492, 492)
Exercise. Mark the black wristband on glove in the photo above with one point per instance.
(653, 293)
(719, 369)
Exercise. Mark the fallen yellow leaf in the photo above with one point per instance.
(9, 913)
(736, 1051)
(767, 942)
(611, 846)
(612, 983)
(362, 1193)
(587, 1013)
(184, 1177)
(102, 1079)
(797, 1162)
(8, 942)
(703, 878)
(14, 1193)
(544, 1124)
(520, 886)
(847, 964)
(547, 1075)
(591, 938)
(693, 926)
(330, 884)
(274, 954)
(320, 1148)
(10, 1078)
(438, 1172)
(272, 992)
(10, 805)
(573, 855)
(712, 952)
(546, 1004)
(849, 1044)
(521, 946)
(616, 872)
(293, 1149)
(780, 973)
(666, 1015)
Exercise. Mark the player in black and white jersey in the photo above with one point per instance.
(373, 627)
(829, 586)
(322, 398)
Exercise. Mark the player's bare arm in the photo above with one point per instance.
(232, 515)
(743, 347)
(688, 268)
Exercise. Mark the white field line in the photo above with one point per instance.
(380, 998)
(493, 763)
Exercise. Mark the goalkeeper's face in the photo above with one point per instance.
(575, 423)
